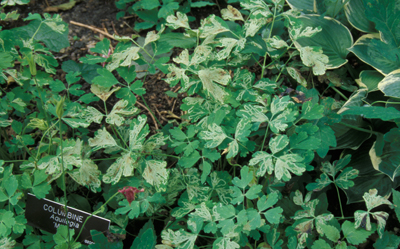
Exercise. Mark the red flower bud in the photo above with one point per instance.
(129, 193)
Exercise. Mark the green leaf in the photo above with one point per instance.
(178, 40)
(246, 178)
(388, 241)
(331, 232)
(168, 9)
(200, 4)
(355, 13)
(327, 135)
(274, 215)
(101, 242)
(127, 73)
(189, 161)
(106, 78)
(88, 72)
(264, 203)
(390, 84)
(378, 54)
(312, 111)
(252, 193)
(334, 39)
(289, 163)
(378, 112)
(62, 235)
(102, 47)
(7, 221)
(132, 209)
(396, 202)
(371, 79)
(353, 235)
(214, 136)
(147, 238)
(92, 60)
(343, 180)
(320, 244)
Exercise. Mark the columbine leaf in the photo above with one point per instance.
(314, 57)
(127, 56)
(264, 160)
(103, 92)
(88, 175)
(138, 132)
(252, 193)
(289, 163)
(156, 174)
(372, 199)
(320, 183)
(278, 143)
(119, 110)
(123, 166)
(180, 21)
(388, 241)
(180, 238)
(214, 136)
(396, 202)
(103, 139)
(133, 208)
(343, 180)
(105, 79)
(312, 111)
(211, 75)
(246, 178)
(231, 14)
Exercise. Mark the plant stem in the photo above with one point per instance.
(360, 129)
(340, 201)
(97, 211)
(64, 182)
(339, 92)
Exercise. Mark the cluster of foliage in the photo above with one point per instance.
(256, 152)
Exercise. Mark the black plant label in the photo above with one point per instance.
(49, 215)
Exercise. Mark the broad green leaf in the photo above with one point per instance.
(396, 202)
(388, 241)
(389, 162)
(214, 136)
(334, 39)
(246, 178)
(124, 165)
(390, 84)
(371, 79)
(315, 58)
(156, 174)
(355, 13)
(119, 110)
(353, 235)
(211, 75)
(231, 14)
(378, 112)
(320, 244)
(378, 54)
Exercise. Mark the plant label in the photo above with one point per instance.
(49, 215)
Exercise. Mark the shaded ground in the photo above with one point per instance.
(101, 15)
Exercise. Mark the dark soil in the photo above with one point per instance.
(101, 14)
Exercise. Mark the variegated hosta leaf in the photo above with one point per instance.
(91, 114)
(126, 56)
(103, 92)
(123, 166)
(156, 174)
(289, 163)
(231, 14)
(212, 25)
(103, 139)
(207, 76)
(152, 36)
(119, 110)
(87, 175)
(138, 132)
(228, 44)
(265, 163)
(178, 21)
(183, 58)
(253, 24)
(314, 57)
(200, 54)
(179, 239)
(214, 136)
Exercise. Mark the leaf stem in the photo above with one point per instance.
(360, 129)
(339, 92)
(340, 201)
